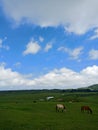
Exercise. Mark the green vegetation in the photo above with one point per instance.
(93, 87)
(30, 110)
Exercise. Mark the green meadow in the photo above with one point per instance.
(30, 110)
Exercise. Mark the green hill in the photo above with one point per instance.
(93, 87)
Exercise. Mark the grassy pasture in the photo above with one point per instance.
(31, 111)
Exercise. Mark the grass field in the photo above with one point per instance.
(31, 111)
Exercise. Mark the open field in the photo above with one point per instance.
(28, 110)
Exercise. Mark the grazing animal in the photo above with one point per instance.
(60, 107)
(86, 108)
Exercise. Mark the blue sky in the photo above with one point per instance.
(53, 44)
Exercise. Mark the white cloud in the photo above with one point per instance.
(95, 36)
(17, 65)
(2, 46)
(48, 47)
(63, 78)
(2, 64)
(11, 80)
(90, 71)
(66, 78)
(76, 16)
(41, 39)
(32, 48)
(90, 75)
(93, 54)
(74, 54)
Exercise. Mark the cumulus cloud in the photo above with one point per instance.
(41, 39)
(63, 78)
(74, 54)
(11, 80)
(93, 54)
(48, 47)
(32, 48)
(76, 16)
